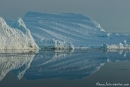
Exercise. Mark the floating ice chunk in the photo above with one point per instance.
(55, 44)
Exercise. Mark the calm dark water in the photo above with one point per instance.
(58, 68)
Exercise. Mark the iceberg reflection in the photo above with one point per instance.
(72, 65)
(58, 64)
(17, 60)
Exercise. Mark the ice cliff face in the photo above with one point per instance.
(18, 37)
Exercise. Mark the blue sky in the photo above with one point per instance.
(113, 15)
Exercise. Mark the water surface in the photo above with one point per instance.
(60, 68)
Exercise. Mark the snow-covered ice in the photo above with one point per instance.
(18, 37)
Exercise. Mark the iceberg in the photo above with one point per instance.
(79, 30)
(67, 27)
(70, 31)
(18, 37)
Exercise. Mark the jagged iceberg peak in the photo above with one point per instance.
(5, 30)
(19, 24)
(18, 37)
(2, 21)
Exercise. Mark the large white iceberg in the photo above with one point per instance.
(67, 27)
(18, 37)
(79, 30)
